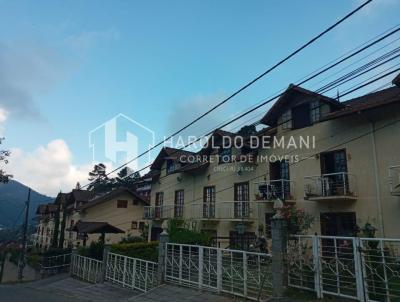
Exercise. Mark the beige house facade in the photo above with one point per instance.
(339, 161)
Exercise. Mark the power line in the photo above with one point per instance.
(271, 99)
(248, 84)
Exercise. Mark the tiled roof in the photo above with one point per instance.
(110, 195)
(366, 102)
(94, 227)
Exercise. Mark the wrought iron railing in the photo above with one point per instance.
(131, 272)
(273, 189)
(87, 269)
(365, 269)
(240, 273)
(330, 185)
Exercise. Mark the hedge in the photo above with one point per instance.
(142, 250)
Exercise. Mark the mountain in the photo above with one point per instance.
(13, 196)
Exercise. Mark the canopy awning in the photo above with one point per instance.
(91, 227)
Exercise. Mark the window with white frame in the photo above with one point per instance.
(287, 119)
(315, 112)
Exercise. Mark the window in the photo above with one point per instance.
(170, 166)
(315, 112)
(224, 155)
(134, 225)
(242, 205)
(301, 116)
(159, 204)
(141, 225)
(122, 204)
(209, 202)
(287, 120)
(178, 208)
(135, 202)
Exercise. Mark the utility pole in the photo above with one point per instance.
(21, 262)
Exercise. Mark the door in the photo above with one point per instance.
(178, 204)
(338, 224)
(279, 179)
(334, 172)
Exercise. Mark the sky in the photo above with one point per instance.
(67, 67)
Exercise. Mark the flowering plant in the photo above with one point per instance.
(297, 220)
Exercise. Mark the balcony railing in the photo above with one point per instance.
(163, 212)
(394, 176)
(223, 210)
(273, 189)
(220, 210)
(332, 186)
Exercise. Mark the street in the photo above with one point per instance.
(22, 293)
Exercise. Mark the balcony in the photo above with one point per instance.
(162, 212)
(224, 210)
(331, 187)
(221, 210)
(394, 176)
(273, 189)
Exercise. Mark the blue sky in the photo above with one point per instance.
(69, 66)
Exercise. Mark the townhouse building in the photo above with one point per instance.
(46, 216)
(339, 161)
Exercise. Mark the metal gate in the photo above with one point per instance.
(365, 269)
(131, 272)
(240, 273)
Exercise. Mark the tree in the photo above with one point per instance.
(4, 154)
(99, 181)
(126, 177)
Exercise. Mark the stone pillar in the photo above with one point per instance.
(279, 250)
(106, 250)
(162, 251)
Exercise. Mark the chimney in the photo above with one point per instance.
(396, 80)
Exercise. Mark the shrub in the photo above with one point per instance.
(141, 250)
(298, 221)
(131, 239)
(95, 250)
(185, 232)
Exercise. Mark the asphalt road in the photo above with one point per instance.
(21, 293)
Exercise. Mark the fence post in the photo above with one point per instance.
(106, 250)
(219, 270)
(279, 247)
(201, 262)
(162, 251)
(74, 252)
(317, 266)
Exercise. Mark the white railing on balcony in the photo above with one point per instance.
(340, 184)
(232, 210)
(164, 212)
(273, 189)
(394, 176)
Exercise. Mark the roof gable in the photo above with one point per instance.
(110, 195)
(295, 95)
(168, 153)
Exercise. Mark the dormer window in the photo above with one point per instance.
(287, 120)
(315, 112)
(224, 155)
(170, 166)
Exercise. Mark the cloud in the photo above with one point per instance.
(3, 118)
(26, 71)
(48, 169)
(82, 42)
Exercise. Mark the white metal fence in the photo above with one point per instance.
(55, 262)
(87, 269)
(365, 269)
(131, 272)
(240, 273)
